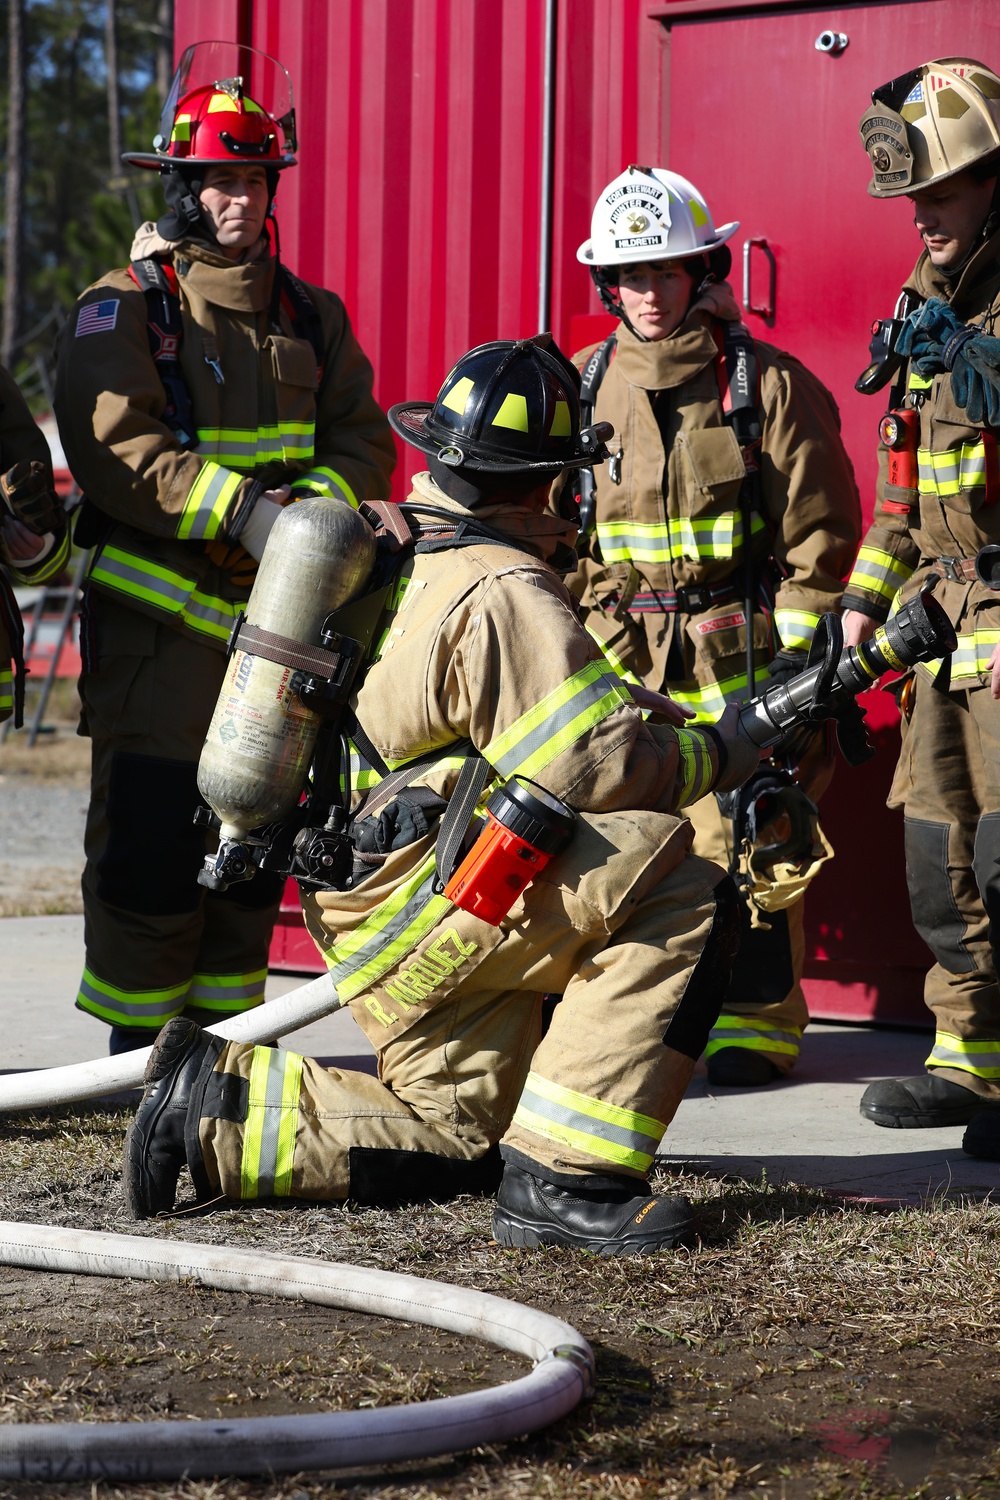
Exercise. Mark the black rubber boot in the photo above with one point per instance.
(155, 1149)
(923, 1103)
(610, 1220)
(982, 1136)
(741, 1068)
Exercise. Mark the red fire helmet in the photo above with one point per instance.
(227, 103)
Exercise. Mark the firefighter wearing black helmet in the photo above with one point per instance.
(481, 660)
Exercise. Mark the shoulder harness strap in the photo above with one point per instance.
(157, 280)
(591, 377)
(303, 315)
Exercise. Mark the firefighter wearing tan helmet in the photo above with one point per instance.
(720, 437)
(478, 670)
(933, 136)
(199, 390)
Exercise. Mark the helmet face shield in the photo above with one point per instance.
(226, 103)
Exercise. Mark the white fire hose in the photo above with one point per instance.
(134, 1451)
(108, 1075)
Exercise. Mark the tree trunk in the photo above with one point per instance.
(114, 100)
(15, 181)
(164, 47)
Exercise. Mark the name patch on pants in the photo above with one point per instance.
(422, 977)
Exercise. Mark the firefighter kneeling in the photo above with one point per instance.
(480, 657)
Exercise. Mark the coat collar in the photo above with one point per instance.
(240, 286)
(545, 536)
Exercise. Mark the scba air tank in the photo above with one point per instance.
(319, 555)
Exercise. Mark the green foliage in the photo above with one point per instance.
(79, 213)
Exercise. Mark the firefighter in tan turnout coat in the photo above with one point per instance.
(663, 580)
(199, 390)
(481, 646)
(933, 135)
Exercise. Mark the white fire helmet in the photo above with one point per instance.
(649, 213)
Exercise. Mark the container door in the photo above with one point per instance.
(763, 117)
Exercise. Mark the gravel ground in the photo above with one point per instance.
(43, 806)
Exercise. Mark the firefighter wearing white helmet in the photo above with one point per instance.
(933, 136)
(718, 436)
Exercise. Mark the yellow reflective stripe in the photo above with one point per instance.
(6, 688)
(48, 568)
(946, 472)
(247, 448)
(980, 1058)
(680, 537)
(208, 500)
(229, 992)
(879, 572)
(919, 382)
(122, 1007)
(563, 715)
(271, 1123)
(324, 481)
(796, 628)
(138, 578)
(710, 702)
(971, 658)
(605, 1131)
(754, 1034)
(613, 660)
(697, 770)
(388, 933)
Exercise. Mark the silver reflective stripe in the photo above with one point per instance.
(386, 935)
(201, 522)
(603, 1130)
(116, 568)
(588, 696)
(272, 1115)
(972, 1057)
(167, 1008)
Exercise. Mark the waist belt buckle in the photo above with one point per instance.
(950, 568)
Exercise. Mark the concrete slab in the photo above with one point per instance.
(807, 1130)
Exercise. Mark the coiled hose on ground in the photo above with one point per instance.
(133, 1451)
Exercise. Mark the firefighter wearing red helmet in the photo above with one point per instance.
(482, 670)
(933, 137)
(718, 434)
(200, 389)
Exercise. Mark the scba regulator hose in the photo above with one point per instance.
(136, 1451)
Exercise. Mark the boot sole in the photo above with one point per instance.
(936, 1119)
(518, 1234)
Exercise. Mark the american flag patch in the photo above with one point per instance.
(916, 95)
(97, 317)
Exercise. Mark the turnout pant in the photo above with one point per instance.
(158, 944)
(948, 785)
(462, 1064)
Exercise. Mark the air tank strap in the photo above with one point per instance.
(284, 651)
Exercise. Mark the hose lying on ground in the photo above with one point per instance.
(134, 1451)
(108, 1075)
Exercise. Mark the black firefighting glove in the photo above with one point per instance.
(793, 745)
(786, 665)
(27, 497)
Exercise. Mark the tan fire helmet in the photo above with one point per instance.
(930, 123)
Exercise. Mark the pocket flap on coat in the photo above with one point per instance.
(713, 455)
(294, 361)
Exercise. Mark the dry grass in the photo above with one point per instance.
(40, 891)
(807, 1348)
(63, 756)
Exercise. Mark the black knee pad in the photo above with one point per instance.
(383, 1177)
(154, 851)
(689, 1026)
(932, 900)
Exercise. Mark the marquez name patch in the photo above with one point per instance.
(97, 317)
(721, 622)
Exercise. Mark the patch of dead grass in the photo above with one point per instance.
(808, 1349)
